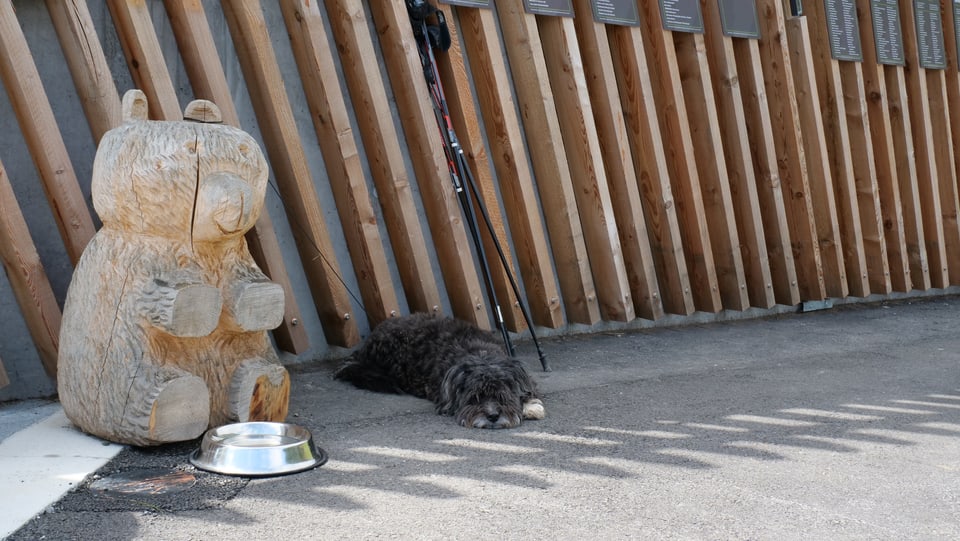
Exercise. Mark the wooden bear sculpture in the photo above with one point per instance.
(164, 330)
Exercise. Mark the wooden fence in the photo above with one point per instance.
(631, 171)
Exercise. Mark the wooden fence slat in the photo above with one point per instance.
(788, 141)
(818, 161)
(650, 164)
(426, 154)
(678, 141)
(482, 46)
(885, 154)
(289, 163)
(618, 163)
(928, 174)
(952, 82)
(88, 65)
(384, 157)
(145, 58)
(575, 116)
(773, 208)
(328, 109)
(850, 148)
(35, 117)
(28, 280)
(549, 161)
(700, 104)
(208, 80)
(4, 379)
(740, 163)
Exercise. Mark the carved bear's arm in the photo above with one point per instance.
(181, 307)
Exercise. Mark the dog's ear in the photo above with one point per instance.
(528, 387)
(449, 390)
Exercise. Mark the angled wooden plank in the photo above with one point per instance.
(678, 142)
(575, 116)
(788, 141)
(732, 117)
(701, 109)
(925, 148)
(481, 44)
(289, 163)
(422, 135)
(39, 127)
(4, 379)
(776, 224)
(650, 164)
(884, 152)
(145, 58)
(371, 106)
(945, 108)
(548, 158)
(29, 282)
(850, 148)
(88, 65)
(318, 73)
(820, 175)
(199, 53)
(621, 178)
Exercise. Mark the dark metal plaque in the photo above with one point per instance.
(682, 16)
(739, 18)
(562, 8)
(621, 12)
(885, 16)
(929, 34)
(843, 29)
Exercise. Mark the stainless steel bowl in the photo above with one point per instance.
(257, 449)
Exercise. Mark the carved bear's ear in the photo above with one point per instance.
(134, 106)
(203, 111)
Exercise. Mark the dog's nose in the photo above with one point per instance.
(493, 417)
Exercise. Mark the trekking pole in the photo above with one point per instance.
(429, 37)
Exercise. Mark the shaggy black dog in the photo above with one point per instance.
(462, 369)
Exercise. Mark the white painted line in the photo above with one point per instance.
(40, 463)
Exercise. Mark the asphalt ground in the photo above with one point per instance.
(835, 424)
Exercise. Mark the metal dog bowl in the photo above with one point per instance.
(257, 449)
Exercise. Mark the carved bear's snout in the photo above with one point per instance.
(225, 207)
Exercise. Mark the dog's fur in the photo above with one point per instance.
(462, 369)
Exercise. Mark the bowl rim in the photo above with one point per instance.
(204, 457)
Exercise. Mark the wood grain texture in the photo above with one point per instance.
(477, 30)
(949, 104)
(549, 161)
(88, 65)
(924, 147)
(422, 134)
(650, 163)
(28, 281)
(712, 170)
(39, 127)
(381, 144)
(618, 161)
(820, 175)
(144, 57)
(675, 130)
(282, 140)
(733, 124)
(579, 132)
(328, 109)
(781, 94)
(205, 70)
(884, 153)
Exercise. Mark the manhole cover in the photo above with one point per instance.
(152, 481)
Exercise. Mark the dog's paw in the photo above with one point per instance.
(533, 409)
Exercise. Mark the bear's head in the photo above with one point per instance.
(190, 181)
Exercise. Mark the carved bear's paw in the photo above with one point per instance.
(256, 306)
(187, 310)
